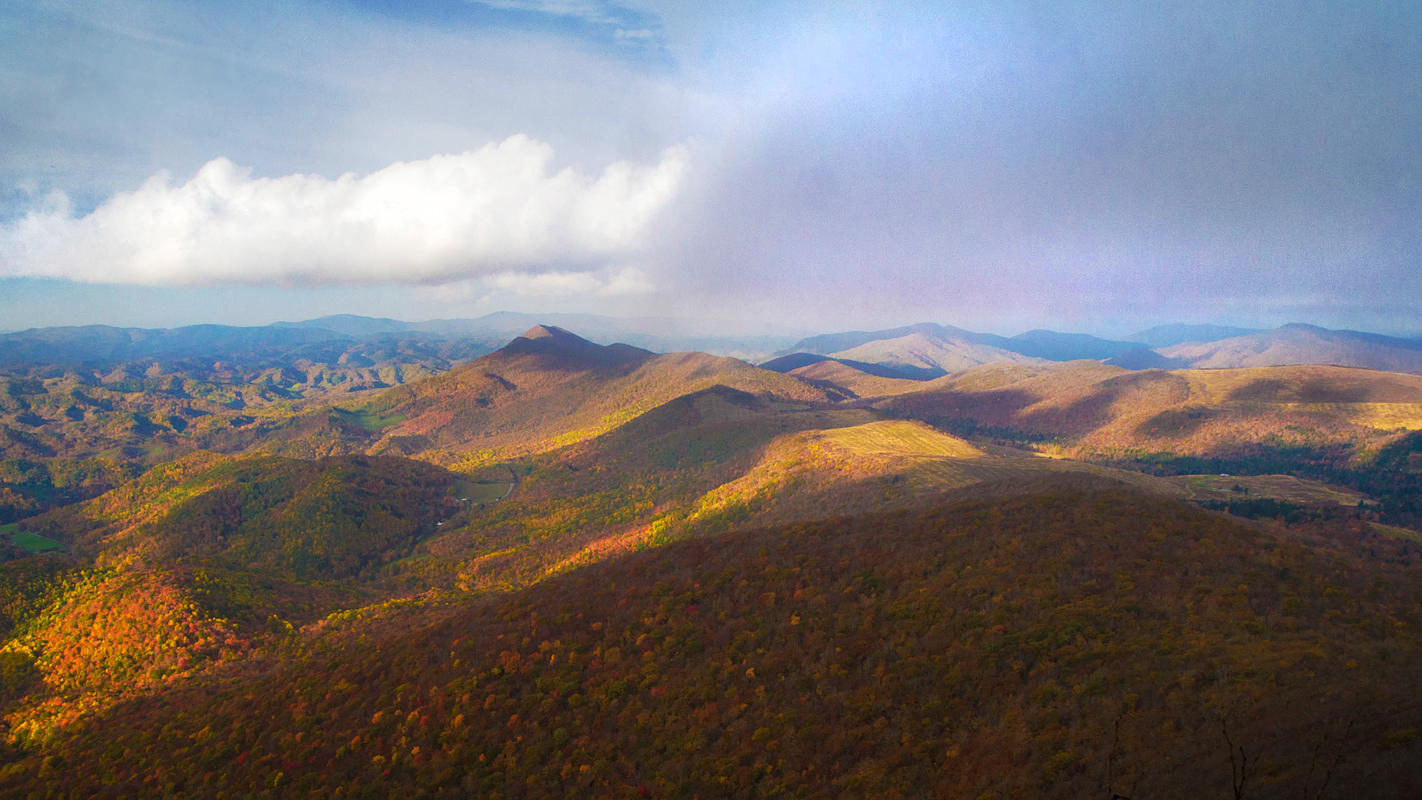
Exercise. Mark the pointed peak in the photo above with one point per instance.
(551, 337)
(551, 340)
(550, 332)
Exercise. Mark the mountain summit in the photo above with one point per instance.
(552, 332)
(551, 340)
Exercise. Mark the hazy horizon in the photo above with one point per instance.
(673, 328)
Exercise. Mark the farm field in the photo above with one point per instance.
(481, 492)
(1275, 487)
(29, 541)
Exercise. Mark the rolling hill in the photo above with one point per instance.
(712, 461)
(327, 518)
(851, 380)
(1184, 411)
(1358, 428)
(195, 566)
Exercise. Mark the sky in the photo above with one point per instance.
(759, 166)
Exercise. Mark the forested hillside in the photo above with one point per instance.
(1062, 645)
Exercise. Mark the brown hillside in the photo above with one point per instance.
(855, 383)
(709, 462)
(1183, 411)
(551, 388)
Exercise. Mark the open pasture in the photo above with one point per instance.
(1286, 488)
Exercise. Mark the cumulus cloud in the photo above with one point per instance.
(500, 210)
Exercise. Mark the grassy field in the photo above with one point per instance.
(29, 541)
(1396, 532)
(370, 420)
(481, 492)
(1384, 416)
(1275, 487)
(899, 438)
(1026, 468)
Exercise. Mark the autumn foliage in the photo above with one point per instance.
(1054, 645)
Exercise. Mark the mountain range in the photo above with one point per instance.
(922, 351)
(572, 568)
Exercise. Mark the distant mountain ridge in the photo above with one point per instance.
(921, 351)
(652, 333)
(108, 343)
(1298, 343)
(1178, 333)
(928, 350)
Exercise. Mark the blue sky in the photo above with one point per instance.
(1083, 166)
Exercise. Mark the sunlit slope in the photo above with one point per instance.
(593, 499)
(1382, 400)
(714, 461)
(330, 518)
(191, 568)
(1055, 646)
(876, 466)
(550, 388)
(1185, 411)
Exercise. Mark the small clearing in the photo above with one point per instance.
(1286, 488)
(899, 438)
(482, 492)
(29, 541)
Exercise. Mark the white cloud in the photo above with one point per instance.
(498, 210)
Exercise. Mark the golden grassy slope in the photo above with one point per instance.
(899, 438)
(1277, 487)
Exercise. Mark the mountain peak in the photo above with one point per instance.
(551, 332)
(551, 340)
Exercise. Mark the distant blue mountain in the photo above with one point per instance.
(1177, 333)
(1045, 344)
